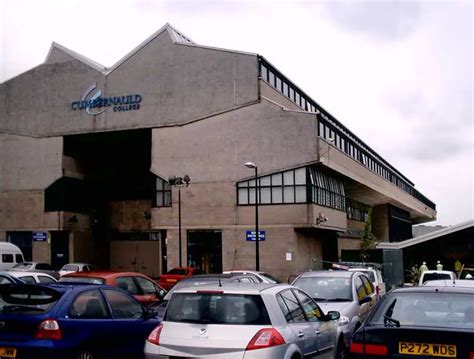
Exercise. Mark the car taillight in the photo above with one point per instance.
(154, 336)
(369, 349)
(49, 329)
(471, 355)
(265, 338)
(377, 290)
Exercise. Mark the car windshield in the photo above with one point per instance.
(179, 271)
(70, 267)
(326, 288)
(77, 279)
(217, 308)
(443, 310)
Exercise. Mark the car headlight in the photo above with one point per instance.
(343, 320)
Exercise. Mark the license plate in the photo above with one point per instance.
(435, 350)
(172, 280)
(7, 352)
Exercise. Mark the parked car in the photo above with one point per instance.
(35, 267)
(203, 279)
(75, 267)
(173, 276)
(349, 293)
(71, 321)
(33, 277)
(10, 255)
(7, 278)
(262, 277)
(435, 274)
(251, 320)
(419, 322)
(142, 287)
(375, 276)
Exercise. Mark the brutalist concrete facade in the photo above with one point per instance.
(208, 111)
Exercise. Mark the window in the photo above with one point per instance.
(367, 285)
(360, 289)
(310, 308)
(327, 191)
(44, 266)
(7, 258)
(146, 286)
(88, 305)
(290, 307)
(18, 258)
(128, 284)
(44, 279)
(163, 193)
(28, 279)
(263, 72)
(123, 307)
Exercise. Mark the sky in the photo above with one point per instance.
(399, 74)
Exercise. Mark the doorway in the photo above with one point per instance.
(204, 250)
(59, 248)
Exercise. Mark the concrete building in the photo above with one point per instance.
(86, 153)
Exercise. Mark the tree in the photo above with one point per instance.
(368, 240)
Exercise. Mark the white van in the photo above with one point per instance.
(10, 255)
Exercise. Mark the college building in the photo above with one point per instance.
(141, 166)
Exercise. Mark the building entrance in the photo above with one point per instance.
(205, 250)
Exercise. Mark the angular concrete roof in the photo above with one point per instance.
(427, 237)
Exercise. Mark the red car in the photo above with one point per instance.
(168, 280)
(142, 287)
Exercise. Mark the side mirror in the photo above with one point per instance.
(333, 315)
(161, 293)
(366, 299)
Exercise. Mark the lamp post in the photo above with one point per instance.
(179, 182)
(257, 253)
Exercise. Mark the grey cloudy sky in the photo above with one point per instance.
(397, 73)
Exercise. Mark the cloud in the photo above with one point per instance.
(385, 20)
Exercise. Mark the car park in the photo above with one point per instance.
(71, 321)
(350, 293)
(33, 277)
(202, 279)
(419, 322)
(75, 267)
(262, 277)
(435, 274)
(245, 320)
(173, 276)
(142, 287)
(375, 276)
(36, 267)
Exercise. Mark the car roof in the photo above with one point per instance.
(236, 288)
(438, 271)
(450, 282)
(328, 273)
(430, 289)
(104, 274)
(26, 273)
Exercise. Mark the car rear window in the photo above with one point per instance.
(178, 271)
(27, 299)
(217, 308)
(78, 279)
(70, 267)
(435, 276)
(443, 310)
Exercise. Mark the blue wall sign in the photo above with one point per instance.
(250, 235)
(39, 236)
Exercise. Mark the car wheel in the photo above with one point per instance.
(341, 352)
(84, 354)
(296, 356)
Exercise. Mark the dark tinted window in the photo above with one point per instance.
(28, 279)
(27, 299)
(435, 276)
(5, 280)
(310, 308)
(18, 258)
(43, 266)
(123, 306)
(217, 308)
(44, 279)
(7, 258)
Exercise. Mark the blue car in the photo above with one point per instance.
(83, 321)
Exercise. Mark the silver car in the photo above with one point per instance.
(350, 293)
(245, 321)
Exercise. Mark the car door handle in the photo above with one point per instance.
(317, 332)
(300, 335)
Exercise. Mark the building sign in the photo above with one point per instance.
(39, 236)
(94, 103)
(250, 235)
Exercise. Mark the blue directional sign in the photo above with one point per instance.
(39, 236)
(250, 235)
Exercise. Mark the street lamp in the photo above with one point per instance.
(179, 182)
(257, 253)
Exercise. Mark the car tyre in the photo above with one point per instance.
(296, 356)
(341, 351)
(84, 354)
